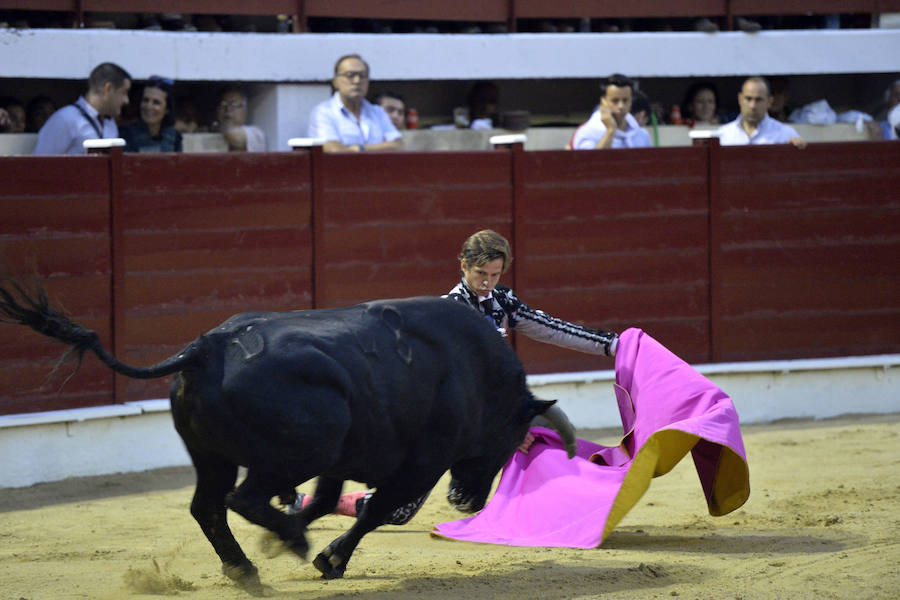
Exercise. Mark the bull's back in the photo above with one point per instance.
(387, 375)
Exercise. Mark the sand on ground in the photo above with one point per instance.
(822, 521)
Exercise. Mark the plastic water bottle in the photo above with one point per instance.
(412, 118)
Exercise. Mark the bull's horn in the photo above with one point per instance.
(557, 420)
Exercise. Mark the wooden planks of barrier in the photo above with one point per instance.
(203, 238)
(724, 254)
(55, 225)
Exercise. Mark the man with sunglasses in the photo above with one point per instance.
(92, 116)
(347, 121)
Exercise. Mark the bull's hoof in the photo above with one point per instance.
(247, 576)
(271, 545)
(330, 564)
(299, 546)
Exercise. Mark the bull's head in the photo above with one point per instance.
(471, 479)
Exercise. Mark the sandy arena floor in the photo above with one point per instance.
(822, 521)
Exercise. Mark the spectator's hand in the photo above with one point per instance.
(526, 443)
(5, 121)
(607, 117)
(798, 142)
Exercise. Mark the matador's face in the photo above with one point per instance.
(482, 278)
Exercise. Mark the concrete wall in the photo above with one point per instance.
(137, 436)
(251, 57)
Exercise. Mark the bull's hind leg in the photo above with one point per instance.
(215, 478)
(252, 500)
(401, 490)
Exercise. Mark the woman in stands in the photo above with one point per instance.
(155, 130)
(700, 104)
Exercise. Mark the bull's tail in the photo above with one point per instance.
(32, 308)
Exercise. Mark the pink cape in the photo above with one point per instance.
(668, 409)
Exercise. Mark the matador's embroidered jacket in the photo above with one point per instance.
(507, 311)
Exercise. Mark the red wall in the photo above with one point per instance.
(808, 251)
(614, 240)
(54, 222)
(391, 226)
(464, 10)
(721, 253)
(205, 237)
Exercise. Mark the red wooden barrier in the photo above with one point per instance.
(205, 237)
(614, 240)
(508, 11)
(722, 253)
(561, 9)
(393, 224)
(809, 263)
(54, 223)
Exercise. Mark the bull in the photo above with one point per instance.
(390, 393)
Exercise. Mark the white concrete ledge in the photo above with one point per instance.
(79, 415)
(72, 415)
(265, 57)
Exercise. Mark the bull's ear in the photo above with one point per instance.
(535, 407)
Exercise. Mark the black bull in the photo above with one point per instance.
(390, 393)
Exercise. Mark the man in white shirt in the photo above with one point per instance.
(231, 122)
(612, 124)
(347, 121)
(754, 125)
(92, 116)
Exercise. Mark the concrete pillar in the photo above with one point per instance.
(282, 110)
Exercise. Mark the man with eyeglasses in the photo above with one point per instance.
(347, 121)
(92, 116)
(231, 122)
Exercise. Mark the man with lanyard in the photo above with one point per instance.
(92, 116)
(347, 121)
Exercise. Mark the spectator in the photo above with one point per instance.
(154, 131)
(780, 108)
(612, 125)
(881, 129)
(231, 122)
(347, 121)
(188, 118)
(91, 116)
(483, 99)
(15, 116)
(37, 112)
(754, 125)
(701, 101)
(640, 109)
(395, 107)
(893, 120)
